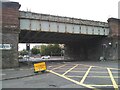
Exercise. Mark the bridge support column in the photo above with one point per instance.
(75, 51)
(10, 34)
(114, 25)
(89, 50)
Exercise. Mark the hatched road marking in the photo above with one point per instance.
(72, 70)
(59, 67)
(112, 79)
(84, 77)
(73, 80)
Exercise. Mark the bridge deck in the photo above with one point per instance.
(50, 23)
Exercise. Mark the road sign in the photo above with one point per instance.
(5, 46)
(39, 67)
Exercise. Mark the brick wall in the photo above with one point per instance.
(10, 33)
(10, 14)
(114, 25)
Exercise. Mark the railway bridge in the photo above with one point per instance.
(83, 39)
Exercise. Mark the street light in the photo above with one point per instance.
(110, 43)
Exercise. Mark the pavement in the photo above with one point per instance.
(16, 73)
(25, 70)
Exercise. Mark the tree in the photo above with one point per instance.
(23, 52)
(35, 51)
(51, 49)
(43, 49)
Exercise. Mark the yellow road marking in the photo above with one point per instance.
(100, 67)
(74, 76)
(116, 76)
(112, 79)
(102, 76)
(58, 67)
(94, 71)
(101, 72)
(76, 82)
(115, 68)
(70, 69)
(84, 77)
(85, 65)
(93, 76)
(107, 67)
(99, 85)
(77, 71)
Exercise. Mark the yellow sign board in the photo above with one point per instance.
(39, 66)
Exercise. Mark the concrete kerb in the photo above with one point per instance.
(26, 75)
(18, 77)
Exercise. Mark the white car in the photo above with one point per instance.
(45, 57)
(26, 56)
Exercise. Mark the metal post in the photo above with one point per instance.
(104, 46)
(61, 53)
(28, 49)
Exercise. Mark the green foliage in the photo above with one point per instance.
(23, 52)
(20, 57)
(35, 51)
(43, 49)
(51, 49)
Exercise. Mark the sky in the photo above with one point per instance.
(98, 10)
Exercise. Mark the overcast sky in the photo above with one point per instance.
(98, 10)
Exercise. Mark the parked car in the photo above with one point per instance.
(45, 57)
(20, 57)
(26, 56)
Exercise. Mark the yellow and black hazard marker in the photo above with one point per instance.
(40, 67)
